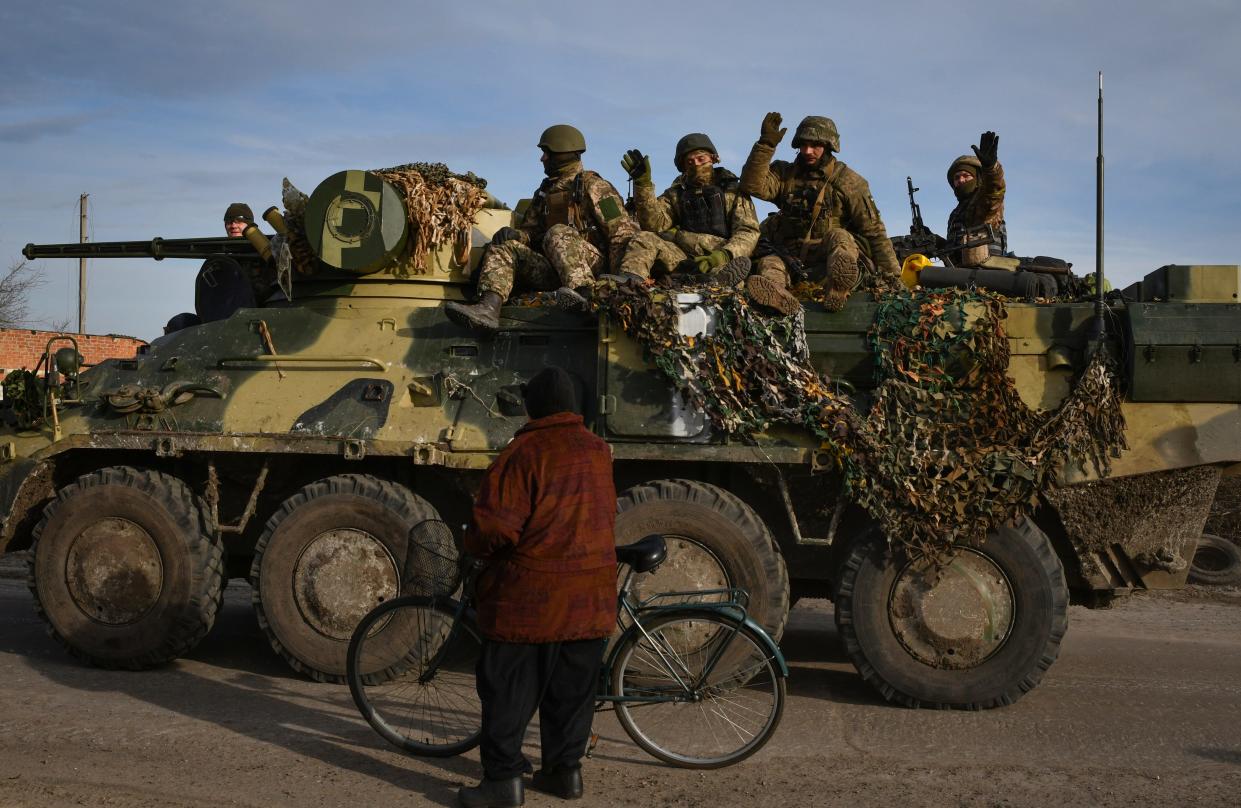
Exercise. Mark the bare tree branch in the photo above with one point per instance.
(16, 287)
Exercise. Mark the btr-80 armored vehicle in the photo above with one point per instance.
(297, 443)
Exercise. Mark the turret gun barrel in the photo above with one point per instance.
(157, 248)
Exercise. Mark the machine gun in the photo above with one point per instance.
(921, 239)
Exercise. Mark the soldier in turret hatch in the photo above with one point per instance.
(576, 229)
(978, 183)
(827, 228)
(702, 226)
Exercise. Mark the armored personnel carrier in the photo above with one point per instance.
(297, 442)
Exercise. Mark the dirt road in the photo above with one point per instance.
(1143, 707)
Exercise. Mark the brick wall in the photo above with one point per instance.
(24, 347)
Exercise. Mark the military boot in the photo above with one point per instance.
(842, 276)
(507, 793)
(482, 316)
(574, 299)
(731, 274)
(766, 292)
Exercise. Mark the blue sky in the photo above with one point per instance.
(166, 112)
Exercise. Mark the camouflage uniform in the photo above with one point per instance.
(983, 204)
(848, 222)
(667, 237)
(575, 229)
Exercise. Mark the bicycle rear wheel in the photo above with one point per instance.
(716, 692)
(410, 669)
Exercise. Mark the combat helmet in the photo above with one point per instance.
(562, 138)
(817, 129)
(967, 161)
(694, 141)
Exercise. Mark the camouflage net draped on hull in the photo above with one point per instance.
(946, 452)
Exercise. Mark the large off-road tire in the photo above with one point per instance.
(126, 569)
(332, 552)
(714, 540)
(979, 634)
(1217, 562)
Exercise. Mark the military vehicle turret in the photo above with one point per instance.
(295, 443)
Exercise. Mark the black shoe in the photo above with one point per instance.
(508, 793)
(565, 783)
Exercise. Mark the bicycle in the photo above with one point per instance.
(696, 684)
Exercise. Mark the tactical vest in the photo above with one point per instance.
(956, 226)
(796, 207)
(562, 206)
(702, 210)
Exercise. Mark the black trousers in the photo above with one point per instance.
(557, 678)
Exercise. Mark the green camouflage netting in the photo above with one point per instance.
(946, 451)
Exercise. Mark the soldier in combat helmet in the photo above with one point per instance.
(978, 183)
(827, 228)
(702, 225)
(576, 228)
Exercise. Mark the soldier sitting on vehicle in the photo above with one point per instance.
(978, 183)
(575, 229)
(701, 226)
(827, 228)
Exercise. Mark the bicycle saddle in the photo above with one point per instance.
(645, 554)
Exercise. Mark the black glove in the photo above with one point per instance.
(637, 165)
(772, 134)
(507, 234)
(987, 149)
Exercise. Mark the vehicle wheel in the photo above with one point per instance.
(729, 712)
(1217, 562)
(714, 541)
(978, 634)
(331, 553)
(411, 673)
(125, 568)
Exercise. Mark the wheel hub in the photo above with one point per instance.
(114, 571)
(690, 566)
(340, 576)
(955, 617)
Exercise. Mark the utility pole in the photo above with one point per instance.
(82, 267)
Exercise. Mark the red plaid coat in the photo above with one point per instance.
(544, 519)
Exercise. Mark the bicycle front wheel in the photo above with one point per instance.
(697, 689)
(411, 669)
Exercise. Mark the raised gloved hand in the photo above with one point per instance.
(708, 262)
(772, 133)
(508, 234)
(987, 149)
(638, 166)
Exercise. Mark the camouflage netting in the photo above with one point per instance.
(947, 451)
(1225, 519)
(441, 206)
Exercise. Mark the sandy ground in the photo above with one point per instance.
(1142, 708)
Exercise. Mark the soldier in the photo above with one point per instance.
(826, 221)
(978, 183)
(226, 284)
(702, 224)
(576, 228)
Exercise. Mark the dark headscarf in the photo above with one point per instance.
(549, 392)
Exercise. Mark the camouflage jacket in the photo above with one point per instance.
(587, 202)
(984, 206)
(847, 204)
(663, 212)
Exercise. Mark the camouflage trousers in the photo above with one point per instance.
(566, 259)
(648, 249)
(835, 241)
